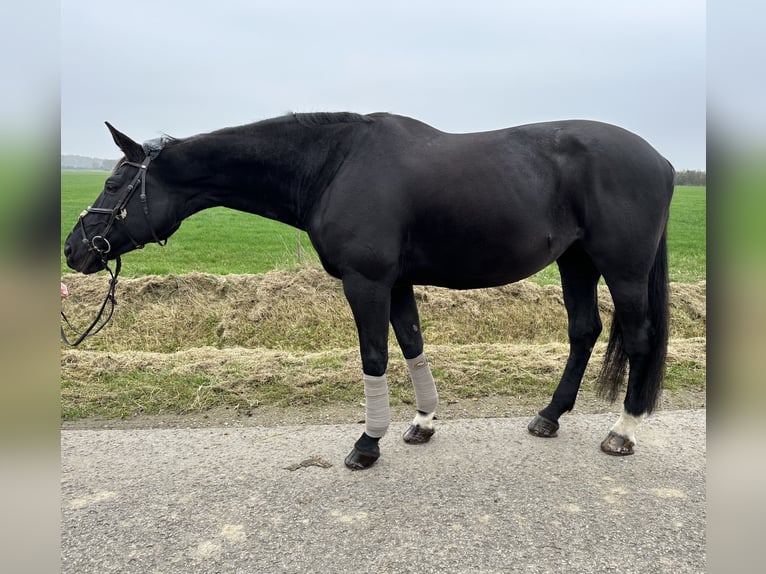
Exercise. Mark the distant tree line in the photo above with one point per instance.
(691, 177)
(83, 162)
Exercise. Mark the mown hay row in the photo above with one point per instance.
(304, 310)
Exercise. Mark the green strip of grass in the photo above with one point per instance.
(160, 390)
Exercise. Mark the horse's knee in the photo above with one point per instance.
(374, 362)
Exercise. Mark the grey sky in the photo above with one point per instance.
(183, 68)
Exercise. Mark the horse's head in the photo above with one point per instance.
(134, 208)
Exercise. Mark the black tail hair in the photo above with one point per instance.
(612, 375)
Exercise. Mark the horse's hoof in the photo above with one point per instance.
(617, 445)
(364, 454)
(417, 434)
(358, 460)
(540, 426)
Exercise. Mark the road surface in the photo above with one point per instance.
(482, 496)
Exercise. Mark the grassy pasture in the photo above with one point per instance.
(224, 241)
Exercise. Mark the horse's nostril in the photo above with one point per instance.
(67, 250)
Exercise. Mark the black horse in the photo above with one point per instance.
(390, 202)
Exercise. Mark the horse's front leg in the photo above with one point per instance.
(370, 303)
(406, 323)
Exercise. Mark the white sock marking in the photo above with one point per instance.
(627, 424)
(424, 421)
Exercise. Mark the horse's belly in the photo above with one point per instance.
(466, 264)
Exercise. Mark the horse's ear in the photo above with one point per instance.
(133, 151)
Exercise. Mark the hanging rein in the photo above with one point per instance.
(100, 245)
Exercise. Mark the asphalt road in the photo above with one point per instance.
(483, 496)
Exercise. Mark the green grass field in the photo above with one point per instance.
(224, 241)
(216, 240)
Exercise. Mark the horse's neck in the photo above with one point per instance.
(276, 174)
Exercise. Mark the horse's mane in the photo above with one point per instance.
(325, 118)
(305, 119)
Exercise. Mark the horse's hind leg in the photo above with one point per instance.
(639, 338)
(579, 280)
(631, 310)
(406, 324)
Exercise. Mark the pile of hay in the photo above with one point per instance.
(305, 310)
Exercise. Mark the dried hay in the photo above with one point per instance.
(305, 310)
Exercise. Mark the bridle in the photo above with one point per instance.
(99, 243)
(101, 246)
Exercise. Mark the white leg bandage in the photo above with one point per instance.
(426, 396)
(377, 410)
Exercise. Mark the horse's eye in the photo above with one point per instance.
(110, 186)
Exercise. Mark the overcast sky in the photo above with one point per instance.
(185, 67)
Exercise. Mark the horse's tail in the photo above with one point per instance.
(613, 371)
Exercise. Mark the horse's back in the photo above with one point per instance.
(585, 154)
(486, 208)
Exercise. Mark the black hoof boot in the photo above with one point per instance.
(417, 434)
(617, 445)
(364, 454)
(540, 426)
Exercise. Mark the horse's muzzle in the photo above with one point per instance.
(84, 260)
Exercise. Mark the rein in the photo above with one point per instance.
(100, 244)
(94, 327)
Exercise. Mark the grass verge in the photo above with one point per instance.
(200, 379)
